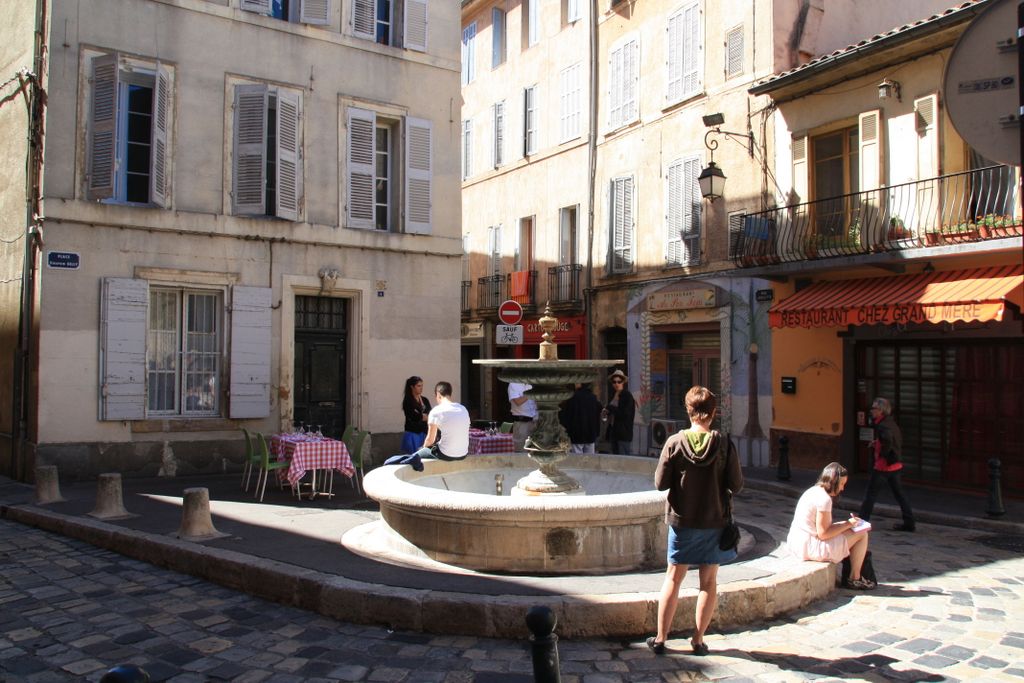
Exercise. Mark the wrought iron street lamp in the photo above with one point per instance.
(712, 179)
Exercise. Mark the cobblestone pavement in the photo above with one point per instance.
(949, 608)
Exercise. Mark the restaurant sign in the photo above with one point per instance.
(889, 314)
(681, 299)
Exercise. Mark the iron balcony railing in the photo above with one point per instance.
(520, 286)
(467, 286)
(490, 291)
(959, 207)
(564, 284)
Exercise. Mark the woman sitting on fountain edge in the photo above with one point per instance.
(697, 466)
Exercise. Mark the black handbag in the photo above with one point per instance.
(730, 537)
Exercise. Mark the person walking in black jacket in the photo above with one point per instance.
(581, 417)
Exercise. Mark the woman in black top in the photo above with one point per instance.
(416, 408)
(620, 411)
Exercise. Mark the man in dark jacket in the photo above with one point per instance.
(888, 453)
(581, 417)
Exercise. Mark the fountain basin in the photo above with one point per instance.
(451, 513)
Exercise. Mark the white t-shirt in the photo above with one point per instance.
(527, 409)
(453, 421)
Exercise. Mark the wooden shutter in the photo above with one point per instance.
(691, 206)
(289, 155)
(317, 12)
(693, 51)
(364, 22)
(103, 127)
(259, 6)
(674, 68)
(159, 181)
(468, 54)
(631, 81)
(123, 319)
(674, 215)
(361, 132)
(926, 114)
(870, 123)
(250, 352)
(622, 224)
(416, 25)
(800, 169)
(249, 166)
(418, 175)
(734, 52)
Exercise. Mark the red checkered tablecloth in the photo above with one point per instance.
(311, 453)
(481, 443)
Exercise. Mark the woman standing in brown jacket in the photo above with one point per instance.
(698, 466)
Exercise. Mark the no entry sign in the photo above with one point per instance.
(510, 312)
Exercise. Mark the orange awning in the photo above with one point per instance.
(978, 294)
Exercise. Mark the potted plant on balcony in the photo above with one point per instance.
(995, 225)
(960, 232)
(933, 237)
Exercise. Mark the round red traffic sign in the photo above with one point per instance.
(510, 312)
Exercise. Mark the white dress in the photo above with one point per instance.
(803, 540)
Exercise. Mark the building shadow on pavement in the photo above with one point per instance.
(856, 667)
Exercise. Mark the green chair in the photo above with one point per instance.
(266, 465)
(506, 427)
(252, 461)
(355, 444)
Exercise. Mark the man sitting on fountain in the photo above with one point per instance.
(452, 420)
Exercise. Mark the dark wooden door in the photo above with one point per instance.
(321, 365)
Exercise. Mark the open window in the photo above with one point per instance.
(129, 131)
(399, 23)
(315, 12)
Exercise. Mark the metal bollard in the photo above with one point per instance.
(126, 673)
(995, 492)
(783, 474)
(544, 643)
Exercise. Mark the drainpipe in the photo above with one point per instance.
(588, 292)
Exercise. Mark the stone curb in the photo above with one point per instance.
(792, 585)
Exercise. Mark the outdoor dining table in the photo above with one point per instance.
(480, 442)
(309, 453)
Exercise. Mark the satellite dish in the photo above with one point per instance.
(980, 86)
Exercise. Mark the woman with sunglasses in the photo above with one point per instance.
(620, 413)
(416, 409)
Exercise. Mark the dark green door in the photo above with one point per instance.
(321, 378)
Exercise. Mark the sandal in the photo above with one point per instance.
(860, 584)
(656, 647)
(699, 649)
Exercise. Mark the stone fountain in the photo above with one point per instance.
(598, 514)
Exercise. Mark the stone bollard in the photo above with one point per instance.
(47, 485)
(196, 524)
(109, 503)
(783, 473)
(995, 489)
(544, 644)
(126, 673)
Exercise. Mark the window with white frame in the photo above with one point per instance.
(469, 54)
(571, 88)
(568, 237)
(317, 12)
(624, 82)
(734, 52)
(128, 147)
(531, 26)
(399, 23)
(494, 248)
(498, 46)
(621, 202)
(467, 148)
(266, 169)
(571, 11)
(685, 54)
(682, 218)
(530, 120)
(162, 346)
(498, 141)
(389, 171)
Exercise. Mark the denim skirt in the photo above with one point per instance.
(696, 546)
(413, 441)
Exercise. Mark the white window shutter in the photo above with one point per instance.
(250, 352)
(258, 6)
(289, 155)
(103, 127)
(316, 12)
(693, 51)
(622, 225)
(125, 303)
(364, 22)
(870, 123)
(418, 175)
(249, 166)
(800, 169)
(734, 52)
(926, 111)
(691, 208)
(159, 180)
(674, 91)
(498, 140)
(631, 82)
(674, 215)
(416, 25)
(469, 54)
(361, 132)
